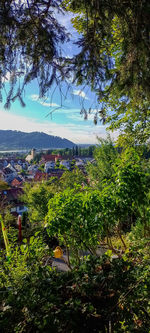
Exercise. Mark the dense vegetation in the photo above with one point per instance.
(86, 216)
(20, 140)
(29, 39)
(109, 210)
(113, 59)
(113, 56)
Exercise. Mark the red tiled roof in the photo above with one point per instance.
(39, 176)
(48, 158)
(16, 182)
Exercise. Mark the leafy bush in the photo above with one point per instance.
(102, 292)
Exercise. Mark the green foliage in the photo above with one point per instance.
(3, 185)
(36, 198)
(114, 59)
(41, 167)
(23, 172)
(57, 164)
(102, 291)
(73, 217)
(72, 164)
(81, 217)
(9, 219)
(71, 179)
(29, 35)
(124, 179)
(82, 151)
(62, 167)
(21, 140)
(113, 56)
(102, 170)
(24, 218)
(98, 293)
(37, 158)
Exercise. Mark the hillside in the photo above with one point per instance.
(21, 140)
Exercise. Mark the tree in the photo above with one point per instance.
(36, 198)
(81, 218)
(114, 59)
(73, 217)
(79, 151)
(113, 55)
(72, 179)
(41, 167)
(29, 38)
(103, 168)
(3, 185)
(73, 151)
(76, 151)
(90, 150)
(57, 164)
(37, 157)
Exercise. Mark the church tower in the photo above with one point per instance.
(33, 153)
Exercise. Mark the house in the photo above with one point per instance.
(31, 156)
(80, 165)
(21, 162)
(11, 167)
(29, 178)
(3, 163)
(16, 182)
(50, 158)
(9, 174)
(56, 173)
(40, 176)
(18, 167)
(85, 159)
(49, 165)
(12, 197)
(65, 163)
(18, 209)
(32, 169)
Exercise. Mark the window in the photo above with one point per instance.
(21, 208)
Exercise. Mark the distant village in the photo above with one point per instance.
(15, 172)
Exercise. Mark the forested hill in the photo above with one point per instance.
(20, 140)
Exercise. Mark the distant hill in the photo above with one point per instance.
(10, 140)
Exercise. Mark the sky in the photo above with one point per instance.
(48, 115)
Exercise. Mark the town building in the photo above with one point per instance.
(31, 156)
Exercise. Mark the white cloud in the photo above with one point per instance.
(80, 93)
(77, 116)
(49, 104)
(80, 117)
(76, 133)
(35, 98)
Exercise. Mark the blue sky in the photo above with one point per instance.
(47, 115)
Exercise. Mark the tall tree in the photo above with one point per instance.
(29, 39)
(72, 179)
(114, 59)
(36, 197)
(76, 151)
(103, 168)
(114, 55)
